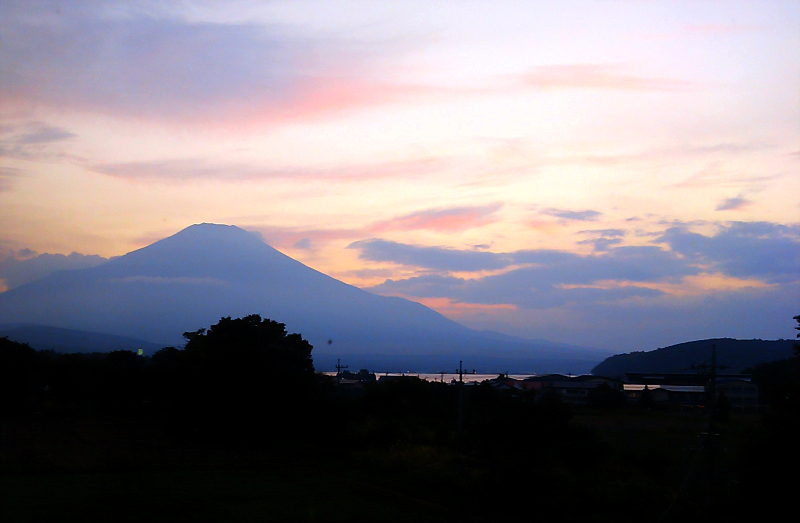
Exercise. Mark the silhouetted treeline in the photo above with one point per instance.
(246, 382)
(245, 372)
(247, 378)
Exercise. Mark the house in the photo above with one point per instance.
(690, 390)
(571, 389)
(682, 396)
(741, 393)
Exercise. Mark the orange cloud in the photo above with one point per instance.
(691, 285)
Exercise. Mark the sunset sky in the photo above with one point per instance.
(616, 174)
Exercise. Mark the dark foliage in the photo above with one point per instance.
(604, 396)
(20, 377)
(241, 377)
(246, 385)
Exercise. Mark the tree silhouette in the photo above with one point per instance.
(247, 370)
(253, 342)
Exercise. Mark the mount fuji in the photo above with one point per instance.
(207, 271)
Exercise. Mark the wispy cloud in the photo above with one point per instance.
(302, 238)
(595, 76)
(7, 176)
(603, 239)
(445, 219)
(581, 216)
(733, 204)
(452, 219)
(193, 169)
(31, 140)
(439, 258)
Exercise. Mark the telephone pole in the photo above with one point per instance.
(712, 435)
(460, 396)
(709, 437)
(339, 368)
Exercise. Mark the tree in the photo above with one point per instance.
(247, 369)
(252, 341)
(646, 400)
(605, 396)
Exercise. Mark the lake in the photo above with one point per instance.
(446, 377)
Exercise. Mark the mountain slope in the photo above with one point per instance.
(735, 355)
(191, 279)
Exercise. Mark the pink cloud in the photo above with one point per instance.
(327, 94)
(443, 220)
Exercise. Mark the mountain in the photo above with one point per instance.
(44, 337)
(735, 355)
(207, 271)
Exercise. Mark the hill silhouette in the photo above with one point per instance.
(208, 271)
(736, 355)
(45, 337)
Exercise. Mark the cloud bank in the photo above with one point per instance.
(615, 287)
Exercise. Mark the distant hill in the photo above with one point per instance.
(207, 271)
(737, 355)
(43, 337)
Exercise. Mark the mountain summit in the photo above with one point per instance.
(207, 271)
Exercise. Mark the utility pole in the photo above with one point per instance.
(709, 438)
(339, 368)
(712, 435)
(460, 395)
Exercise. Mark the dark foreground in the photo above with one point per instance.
(621, 465)
(237, 426)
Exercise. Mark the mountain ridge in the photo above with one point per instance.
(735, 355)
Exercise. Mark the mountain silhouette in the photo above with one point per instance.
(190, 280)
(734, 355)
(44, 337)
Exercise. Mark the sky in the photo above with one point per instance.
(622, 175)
